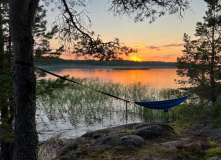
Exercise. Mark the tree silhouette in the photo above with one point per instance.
(201, 58)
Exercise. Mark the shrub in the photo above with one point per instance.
(195, 113)
(213, 152)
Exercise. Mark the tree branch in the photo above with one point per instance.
(142, 9)
(75, 32)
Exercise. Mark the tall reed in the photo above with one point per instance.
(82, 106)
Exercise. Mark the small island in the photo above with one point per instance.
(130, 68)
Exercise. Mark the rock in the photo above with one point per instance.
(108, 140)
(127, 135)
(116, 142)
(98, 141)
(72, 146)
(176, 144)
(131, 140)
(120, 140)
(215, 133)
(108, 131)
(153, 130)
(145, 130)
(207, 128)
(172, 144)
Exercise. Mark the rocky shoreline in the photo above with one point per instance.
(139, 141)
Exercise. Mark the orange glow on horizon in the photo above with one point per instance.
(135, 58)
(166, 53)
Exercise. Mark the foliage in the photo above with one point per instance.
(47, 87)
(217, 111)
(200, 113)
(75, 35)
(74, 25)
(43, 51)
(200, 63)
(212, 144)
(139, 10)
(213, 152)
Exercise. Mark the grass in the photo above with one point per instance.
(82, 106)
(48, 150)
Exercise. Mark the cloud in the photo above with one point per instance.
(155, 57)
(167, 56)
(163, 57)
(173, 45)
(164, 46)
(153, 47)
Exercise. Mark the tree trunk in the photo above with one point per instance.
(22, 15)
(212, 79)
(7, 150)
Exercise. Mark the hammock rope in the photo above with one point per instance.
(160, 105)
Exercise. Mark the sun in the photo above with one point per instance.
(135, 58)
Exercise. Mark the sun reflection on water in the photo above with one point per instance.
(158, 78)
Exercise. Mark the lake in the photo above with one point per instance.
(75, 110)
(157, 78)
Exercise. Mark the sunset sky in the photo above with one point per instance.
(160, 41)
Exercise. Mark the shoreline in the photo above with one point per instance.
(104, 67)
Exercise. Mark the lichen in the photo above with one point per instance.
(212, 144)
(213, 152)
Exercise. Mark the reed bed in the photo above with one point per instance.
(79, 105)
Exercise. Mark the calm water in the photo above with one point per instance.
(157, 78)
(77, 111)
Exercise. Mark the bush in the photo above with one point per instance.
(195, 113)
(213, 152)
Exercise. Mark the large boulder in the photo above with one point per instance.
(145, 130)
(129, 135)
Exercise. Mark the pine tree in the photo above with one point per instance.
(201, 59)
(42, 53)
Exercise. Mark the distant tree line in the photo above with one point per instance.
(59, 62)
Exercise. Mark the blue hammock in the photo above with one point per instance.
(163, 105)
